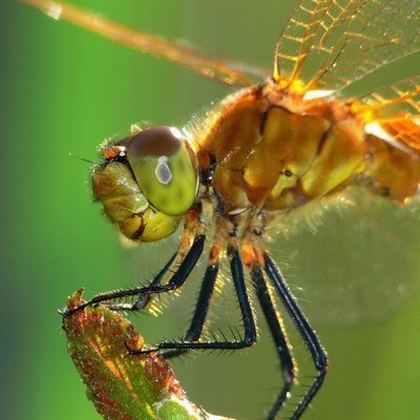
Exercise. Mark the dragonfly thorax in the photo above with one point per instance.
(274, 150)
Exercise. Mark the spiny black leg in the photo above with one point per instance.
(183, 271)
(282, 346)
(177, 280)
(318, 354)
(142, 301)
(249, 324)
(201, 309)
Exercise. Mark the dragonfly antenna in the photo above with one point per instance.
(83, 159)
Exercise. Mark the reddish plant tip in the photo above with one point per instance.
(121, 386)
(75, 300)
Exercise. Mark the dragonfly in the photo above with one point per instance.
(266, 151)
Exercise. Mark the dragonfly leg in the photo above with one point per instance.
(278, 334)
(201, 309)
(317, 351)
(250, 335)
(144, 293)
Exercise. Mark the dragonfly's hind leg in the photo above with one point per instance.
(278, 334)
(144, 293)
(318, 354)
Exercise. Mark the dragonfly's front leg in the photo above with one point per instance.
(146, 292)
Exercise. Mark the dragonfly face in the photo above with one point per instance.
(147, 182)
(264, 152)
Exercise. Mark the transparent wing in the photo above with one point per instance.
(212, 68)
(350, 261)
(332, 43)
(397, 109)
(353, 261)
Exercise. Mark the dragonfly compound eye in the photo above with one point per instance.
(163, 168)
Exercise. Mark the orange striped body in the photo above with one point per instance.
(275, 150)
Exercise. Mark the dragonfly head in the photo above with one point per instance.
(147, 182)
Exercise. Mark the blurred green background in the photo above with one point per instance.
(64, 90)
